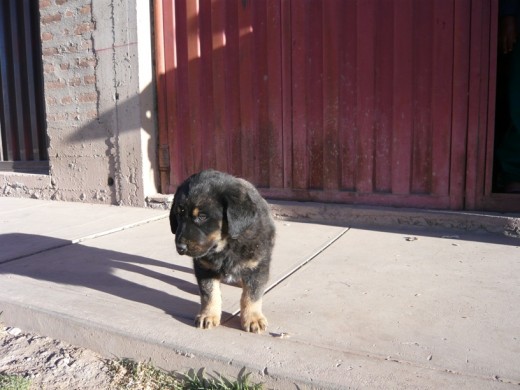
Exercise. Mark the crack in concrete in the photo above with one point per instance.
(116, 174)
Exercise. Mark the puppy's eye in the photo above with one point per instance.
(201, 218)
(180, 210)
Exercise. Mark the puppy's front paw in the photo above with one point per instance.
(253, 322)
(207, 320)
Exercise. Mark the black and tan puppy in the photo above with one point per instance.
(226, 226)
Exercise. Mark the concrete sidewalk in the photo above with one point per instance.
(346, 307)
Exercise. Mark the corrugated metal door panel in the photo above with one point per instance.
(272, 116)
(287, 98)
(226, 83)
(367, 78)
(162, 37)
(384, 43)
(365, 99)
(402, 110)
(442, 91)
(459, 118)
(331, 87)
(347, 69)
(357, 102)
(299, 97)
(421, 79)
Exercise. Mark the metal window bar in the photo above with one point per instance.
(22, 117)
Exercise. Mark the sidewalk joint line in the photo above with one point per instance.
(36, 253)
(307, 261)
(86, 238)
(298, 267)
(118, 229)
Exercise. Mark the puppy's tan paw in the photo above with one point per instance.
(207, 320)
(254, 322)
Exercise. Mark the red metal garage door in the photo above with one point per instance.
(333, 100)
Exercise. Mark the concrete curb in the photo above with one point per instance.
(388, 217)
(113, 343)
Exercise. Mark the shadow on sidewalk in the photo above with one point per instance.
(133, 278)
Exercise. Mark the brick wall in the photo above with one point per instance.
(68, 62)
(99, 104)
(77, 151)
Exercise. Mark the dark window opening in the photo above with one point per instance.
(23, 142)
(506, 174)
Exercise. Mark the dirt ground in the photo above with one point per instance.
(51, 364)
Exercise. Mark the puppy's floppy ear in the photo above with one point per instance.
(240, 211)
(173, 219)
(183, 189)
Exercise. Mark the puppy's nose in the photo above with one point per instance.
(181, 248)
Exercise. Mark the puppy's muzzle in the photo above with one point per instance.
(182, 248)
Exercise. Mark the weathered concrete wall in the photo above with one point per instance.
(97, 64)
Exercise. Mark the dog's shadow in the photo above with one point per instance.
(123, 275)
(231, 321)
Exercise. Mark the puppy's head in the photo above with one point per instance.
(208, 209)
(196, 220)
